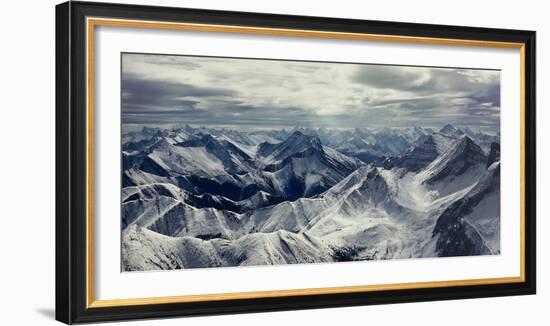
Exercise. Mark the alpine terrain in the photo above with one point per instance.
(210, 197)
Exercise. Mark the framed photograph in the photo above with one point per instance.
(214, 162)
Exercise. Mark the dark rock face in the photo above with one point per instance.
(494, 154)
(150, 166)
(417, 158)
(457, 237)
(451, 130)
(296, 143)
(139, 145)
(295, 188)
(366, 157)
(463, 156)
(243, 176)
(265, 148)
(127, 181)
(309, 150)
(171, 222)
(226, 189)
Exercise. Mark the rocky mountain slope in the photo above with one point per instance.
(199, 197)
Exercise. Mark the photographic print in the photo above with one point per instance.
(219, 162)
(235, 162)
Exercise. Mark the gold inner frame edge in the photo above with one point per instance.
(91, 22)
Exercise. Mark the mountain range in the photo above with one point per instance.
(208, 197)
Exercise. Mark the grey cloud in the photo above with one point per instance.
(166, 60)
(234, 114)
(440, 94)
(420, 80)
(385, 77)
(436, 110)
(157, 101)
(145, 95)
(489, 94)
(433, 97)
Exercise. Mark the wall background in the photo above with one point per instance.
(27, 161)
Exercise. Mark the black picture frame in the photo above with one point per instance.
(71, 158)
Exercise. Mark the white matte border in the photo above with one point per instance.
(110, 283)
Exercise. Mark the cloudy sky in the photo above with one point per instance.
(248, 94)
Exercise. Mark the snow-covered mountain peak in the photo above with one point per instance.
(161, 144)
(457, 168)
(470, 225)
(297, 139)
(429, 147)
(451, 130)
(350, 182)
(205, 197)
(471, 151)
(296, 143)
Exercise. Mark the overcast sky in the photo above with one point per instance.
(245, 93)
